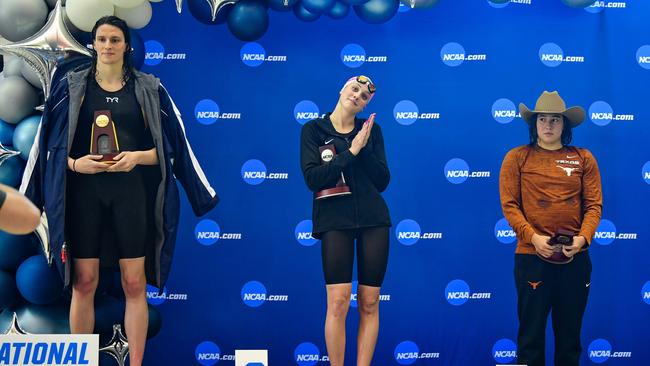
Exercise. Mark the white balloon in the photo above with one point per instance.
(135, 18)
(85, 13)
(127, 3)
(17, 99)
(12, 66)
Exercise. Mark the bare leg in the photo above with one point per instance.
(368, 303)
(84, 285)
(136, 318)
(338, 303)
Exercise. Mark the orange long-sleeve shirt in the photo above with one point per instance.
(546, 190)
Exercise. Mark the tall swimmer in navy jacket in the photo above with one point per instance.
(342, 148)
(130, 207)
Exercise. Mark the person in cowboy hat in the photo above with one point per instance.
(548, 187)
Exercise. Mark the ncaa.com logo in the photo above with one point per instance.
(354, 297)
(408, 232)
(457, 293)
(207, 354)
(504, 351)
(353, 56)
(305, 111)
(254, 294)
(155, 54)
(599, 6)
(155, 299)
(503, 232)
(254, 172)
(606, 233)
(643, 56)
(253, 54)
(645, 293)
(552, 55)
(308, 354)
(601, 114)
(207, 112)
(406, 113)
(600, 350)
(504, 111)
(208, 232)
(303, 233)
(645, 172)
(453, 54)
(408, 352)
(457, 171)
(500, 5)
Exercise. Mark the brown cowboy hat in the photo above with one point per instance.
(551, 102)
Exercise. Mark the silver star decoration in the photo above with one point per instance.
(217, 5)
(43, 234)
(48, 48)
(179, 6)
(118, 347)
(6, 153)
(14, 328)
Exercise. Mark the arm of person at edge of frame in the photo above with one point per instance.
(373, 157)
(18, 215)
(510, 192)
(592, 202)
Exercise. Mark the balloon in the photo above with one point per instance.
(304, 14)
(317, 6)
(248, 20)
(30, 75)
(37, 282)
(578, 3)
(137, 17)
(8, 291)
(14, 249)
(24, 135)
(377, 11)
(127, 4)
(282, 5)
(155, 322)
(12, 66)
(11, 171)
(84, 38)
(17, 99)
(339, 11)
(137, 44)
(356, 2)
(423, 4)
(39, 319)
(20, 19)
(85, 13)
(108, 311)
(6, 133)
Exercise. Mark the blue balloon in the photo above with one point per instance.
(8, 290)
(318, 6)
(11, 171)
(578, 3)
(202, 11)
(108, 311)
(155, 322)
(25, 134)
(356, 2)
(248, 20)
(14, 249)
(377, 11)
(282, 5)
(304, 14)
(6, 133)
(137, 44)
(39, 319)
(37, 282)
(339, 11)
